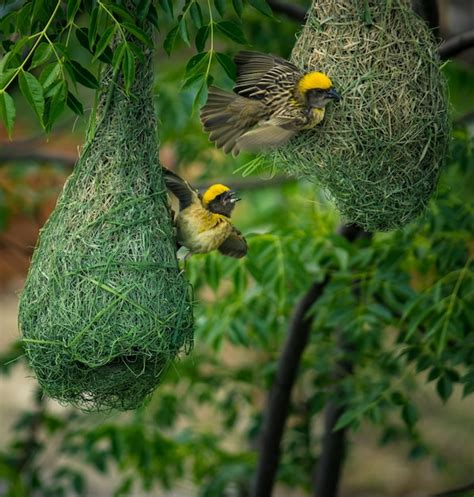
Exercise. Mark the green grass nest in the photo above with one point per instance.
(380, 150)
(105, 307)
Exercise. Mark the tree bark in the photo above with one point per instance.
(279, 399)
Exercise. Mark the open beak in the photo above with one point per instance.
(332, 93)
(233, 197)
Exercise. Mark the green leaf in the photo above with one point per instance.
(398, 398)
(138, 52)
(142, 9)
(227, 64)
(5, 78)
(33, 92)
(7, 111)
(192, 80)
(201, 95)
(55, 105)
(49, 75)
(119, 53)
(152, 16)
(346, 419)
(42, 53)
(444, 386)
(232, 31)
(262, 6)
(72, 8)
(138, 33)
(238, 7)
(104, 41)
(82, 35)
(197, 63)
(183, 30)
(167, 6)
(201, 38)
(409, 415)
(93, 24)
(170, 39)
(82, 75)
(121, 12)
(74, 104)
(196, 15)
(468, 389)
(128, 66)
(220, 6)
(24, 18)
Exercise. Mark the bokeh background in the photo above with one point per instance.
(198, 435)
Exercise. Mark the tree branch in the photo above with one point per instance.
(457, 44)
(20, 153)
(294, 12)
(279, 399)
(455, 492)
(428, 10)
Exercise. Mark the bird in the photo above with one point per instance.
(203, 221)
(271, 102)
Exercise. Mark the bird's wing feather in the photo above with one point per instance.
(257, 72)
(263, 137)
(234, 245)
(185, 193)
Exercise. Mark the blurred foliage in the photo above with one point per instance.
(401, 301)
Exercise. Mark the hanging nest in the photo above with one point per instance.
(380, 150)
(105, 307)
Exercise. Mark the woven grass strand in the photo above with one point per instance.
(105, 308)
(379, 151)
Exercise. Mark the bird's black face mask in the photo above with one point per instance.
(318, 99)
(224, 203)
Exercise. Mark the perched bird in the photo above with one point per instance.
(271, 102)
(203, 222)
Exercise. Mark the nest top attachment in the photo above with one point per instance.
(105, 308)
(380, 150)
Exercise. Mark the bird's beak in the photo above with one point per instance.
(332, 93)
(232, 197)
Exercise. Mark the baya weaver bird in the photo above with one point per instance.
(203, 222)
(271, 102)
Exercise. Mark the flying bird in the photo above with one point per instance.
(271, 102)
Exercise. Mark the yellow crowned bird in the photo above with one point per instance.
(272, 101)
(203, 222)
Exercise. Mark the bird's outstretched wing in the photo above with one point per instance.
(184, 192)
(259, 72)
(234, 245)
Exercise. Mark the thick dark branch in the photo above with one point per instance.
(457, 44)
(294, 12)
(428, 10)
(12, 153)
(455, 492)
(333, 450)
(279, 399)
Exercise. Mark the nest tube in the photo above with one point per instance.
(378, 152)
(105, 308)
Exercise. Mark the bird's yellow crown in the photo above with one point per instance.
(314, 81)
(212, 192)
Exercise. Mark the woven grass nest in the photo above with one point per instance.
(380, 150)
(105, 307)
